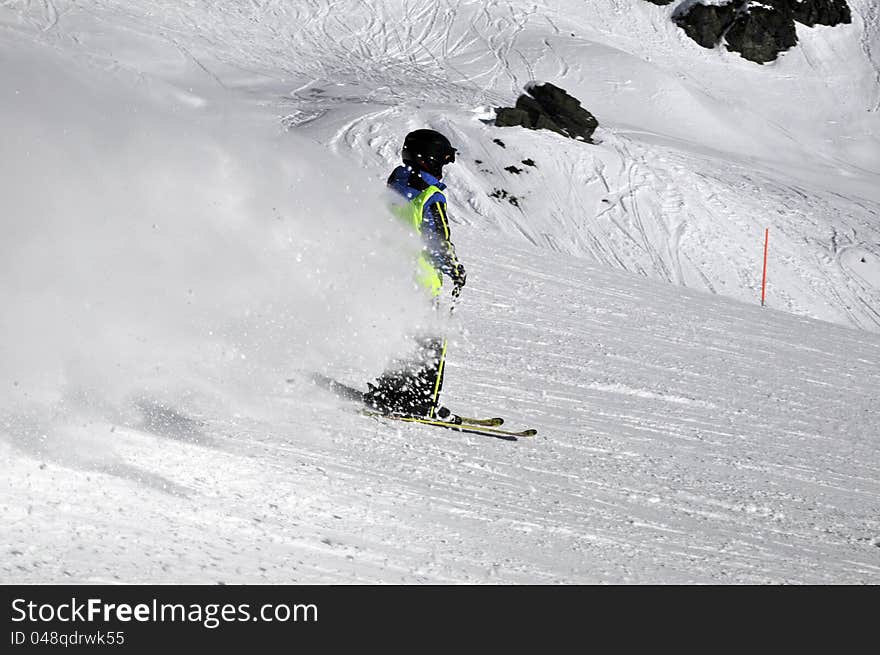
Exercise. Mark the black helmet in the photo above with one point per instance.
(427, 150)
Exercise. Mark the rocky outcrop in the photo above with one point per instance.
(821, 12)
(661, 2)
(759, 30)
(706, 24)
(547, 107)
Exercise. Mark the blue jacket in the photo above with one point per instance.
(409, 183)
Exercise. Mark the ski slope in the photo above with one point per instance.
(194, 197)
(701, 150)
(684, 438)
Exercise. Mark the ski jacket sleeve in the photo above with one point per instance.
(435, 232)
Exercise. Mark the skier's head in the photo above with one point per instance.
(428, 151)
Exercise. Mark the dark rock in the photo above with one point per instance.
(706, 24)
(821, 12)
(547, 107)
(758, 29)
(513, 169)
(529, 162)
(499, 142)
(660, 2)
(511, 116)
(502, 194)
(761, 32)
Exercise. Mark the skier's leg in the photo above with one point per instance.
(386, 393)
(428, 380)
(410, 386)
(434, 373)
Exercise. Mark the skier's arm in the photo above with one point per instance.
(435, 231)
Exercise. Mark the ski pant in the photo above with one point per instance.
(413, 386)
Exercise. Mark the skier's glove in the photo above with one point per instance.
(459, 277)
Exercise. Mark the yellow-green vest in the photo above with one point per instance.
(427, 276)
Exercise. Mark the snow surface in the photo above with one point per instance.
(193, 213)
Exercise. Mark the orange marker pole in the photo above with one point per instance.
(764, 280)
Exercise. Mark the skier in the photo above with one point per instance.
(413, 388)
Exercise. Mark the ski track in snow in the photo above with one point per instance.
(366, 66)
(870, 41)
(684, 437)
